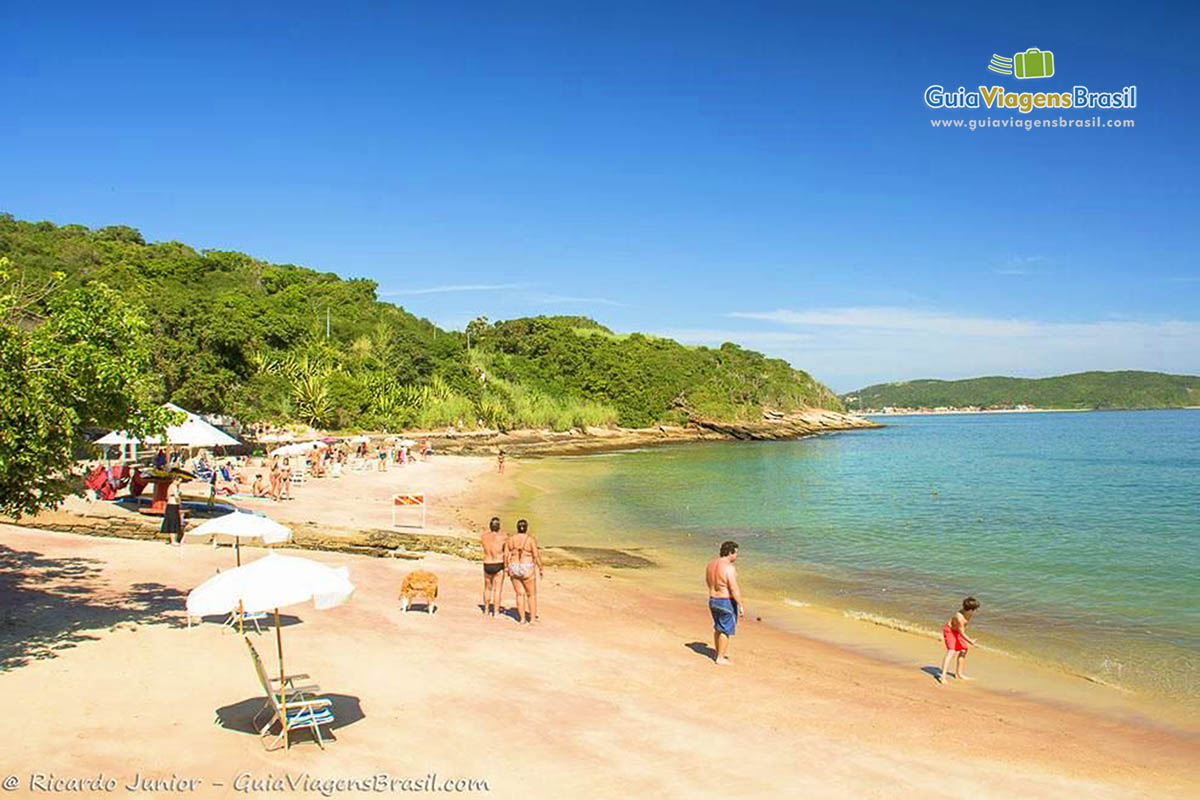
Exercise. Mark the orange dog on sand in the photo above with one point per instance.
(423, 584)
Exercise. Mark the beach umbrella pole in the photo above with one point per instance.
(237, 549)
(287, 744)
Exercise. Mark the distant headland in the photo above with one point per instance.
(1080, 391)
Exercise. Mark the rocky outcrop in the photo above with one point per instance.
(776, 425)
(773, 425)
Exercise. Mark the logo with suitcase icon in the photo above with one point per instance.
(1033, 63)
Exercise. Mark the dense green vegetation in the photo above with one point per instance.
(1080, 390)
(228, 333)
(68, 359)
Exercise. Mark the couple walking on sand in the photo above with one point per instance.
(519, 557)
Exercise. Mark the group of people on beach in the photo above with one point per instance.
(518, 557)
(278, 486)
(399, 454)
(726, 607)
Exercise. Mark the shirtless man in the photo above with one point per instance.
(724, 598)
(493, 566)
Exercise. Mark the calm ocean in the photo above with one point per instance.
(1079, 532)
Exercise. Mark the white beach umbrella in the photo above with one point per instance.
(270, 583)
(192, 432)
(298, 449)
(241, 525)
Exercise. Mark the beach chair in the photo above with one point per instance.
(247, 618)
(231, 621)
(297, 703)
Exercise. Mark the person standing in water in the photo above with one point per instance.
(724, 599)
(493, 566)
(954, 633)
(522, 557)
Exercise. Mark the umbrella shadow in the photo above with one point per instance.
(195, 509)
(200, 510)
(285, 621)
(239, 716)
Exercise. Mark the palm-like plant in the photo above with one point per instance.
(307, 373)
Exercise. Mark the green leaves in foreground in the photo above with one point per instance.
(68, 359)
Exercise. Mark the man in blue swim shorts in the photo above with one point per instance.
(724, 599)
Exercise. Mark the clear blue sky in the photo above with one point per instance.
(763, 173)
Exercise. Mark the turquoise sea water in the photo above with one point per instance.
(1079, 532)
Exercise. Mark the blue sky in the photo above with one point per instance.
(764, 173)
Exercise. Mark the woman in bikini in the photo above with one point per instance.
(285, 480)
(522, 557)
(274, 477)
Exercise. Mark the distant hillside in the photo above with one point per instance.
(1080, 390)
(236, 335)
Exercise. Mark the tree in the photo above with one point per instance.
(68, 359)
(476, 328)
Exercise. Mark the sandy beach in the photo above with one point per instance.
(459, 491)
(614, 692)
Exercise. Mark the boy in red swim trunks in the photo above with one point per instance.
(955, 635)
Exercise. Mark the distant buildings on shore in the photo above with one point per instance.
(946, 409)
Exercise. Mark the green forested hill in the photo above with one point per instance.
(1081, 390)
(233, 334)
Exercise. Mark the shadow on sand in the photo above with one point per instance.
(52, 604)
(503, 611)
(702, 649)
(418, 607)
(285, 621)
(239, 716)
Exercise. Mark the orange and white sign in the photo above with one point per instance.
(408, 500)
